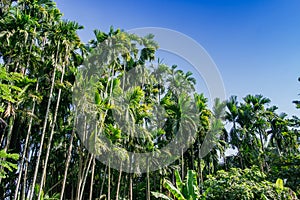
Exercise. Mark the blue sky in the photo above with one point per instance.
(254, 43)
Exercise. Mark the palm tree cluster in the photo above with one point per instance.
(95, 120)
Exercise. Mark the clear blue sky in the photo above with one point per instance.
(254, 43)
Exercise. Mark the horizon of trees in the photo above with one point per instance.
(49, 151)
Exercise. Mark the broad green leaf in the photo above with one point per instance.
(176, 193)
(178, 180)
(160, 195)
(192, 186)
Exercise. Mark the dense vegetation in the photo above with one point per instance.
(43, 156)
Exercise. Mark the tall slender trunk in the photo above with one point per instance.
(92, 178)
(200, 175)
(25, 179)
(103, 181)
(182, 165)
(108, 187)
(8, 138)
(130, 187)
(68, 161)
(51, 135)
(130, 178)
(25, 145)
(161, 182)
(119, 181)
(263, 150)
(241, 158)
(148, 180)
(85, 176)
(44, 126)
(79, 177)
(31, 156)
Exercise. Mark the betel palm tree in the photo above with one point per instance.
(257, 104)
(16, 27)
(31, 63)
(278, 126)
(179, 85)
(214, 133)
(259, 121)
(106, 53)
(52, 49)
(69, 42)
(231, 116)
(12, 96)
(204, 115)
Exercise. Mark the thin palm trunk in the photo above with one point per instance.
(8, 138)
(25, 146)
(45, 125)
(87, 169)
(108, 187)
(262, 148)
(148, 180)
(92, 178)
(79, 177)
(119, 181)
(51, 135)
(25, 179)
(182, 165)
(130, 177)
(130, 187)
(103, 181)
(200, 175)
(241, 159)
(25, 174)
(68, 161)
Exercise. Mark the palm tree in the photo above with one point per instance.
(260, 125)
(232, 116)
(70, 42)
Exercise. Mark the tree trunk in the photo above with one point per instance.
(25, 145)
(51, 135)
(103, 181)
(85, 176)
(79, 177)
(119, 181)
(130, 187)
(25, 180)
(148, 180)
(108, 187)
(92, 178)
(182, 165)
(262, 148)
(68, 161)
(44, 126)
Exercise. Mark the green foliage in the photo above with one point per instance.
(286, 168)
(244, 184)
(187, 190)
(6, 164)
(38, 48)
